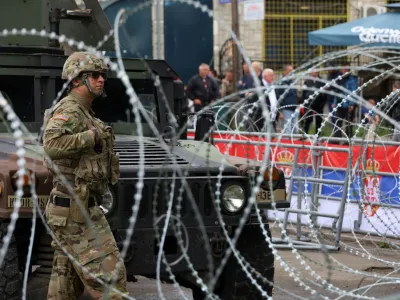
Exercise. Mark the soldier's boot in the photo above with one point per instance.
(64, 281)
(110, 269)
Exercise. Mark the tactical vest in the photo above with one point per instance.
(91, 171)
(102, 168)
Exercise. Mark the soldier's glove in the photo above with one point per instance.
(97, 142)
(96, 135)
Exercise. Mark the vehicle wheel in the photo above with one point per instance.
(10, 277)
(252, 246)
(233, 283)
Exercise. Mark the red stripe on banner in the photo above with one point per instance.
(380, 158)
(383, 159)
(339, 159)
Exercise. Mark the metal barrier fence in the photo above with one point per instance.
(299, 177)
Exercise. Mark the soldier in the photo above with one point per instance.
(81, 147)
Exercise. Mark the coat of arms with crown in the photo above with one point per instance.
(372, 184)
(287, 157)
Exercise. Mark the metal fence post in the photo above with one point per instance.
(344, 198)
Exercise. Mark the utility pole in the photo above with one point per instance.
(158, 14)
(235, 50)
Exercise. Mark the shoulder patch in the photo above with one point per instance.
(61, 117)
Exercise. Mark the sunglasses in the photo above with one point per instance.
(96, 75)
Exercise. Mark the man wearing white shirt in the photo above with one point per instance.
(268, 79)
(257, 117)
(271, 99)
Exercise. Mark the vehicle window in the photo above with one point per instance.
(115, 107)
(20, 91)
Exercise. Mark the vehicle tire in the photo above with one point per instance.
(10, 277)
(233, 283)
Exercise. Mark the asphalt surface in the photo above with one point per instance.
(143, 289)
(340, 269)
(328, 268)
(337, 268)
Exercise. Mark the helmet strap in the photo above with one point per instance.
(85, 81)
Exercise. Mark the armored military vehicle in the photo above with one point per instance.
(30, 69)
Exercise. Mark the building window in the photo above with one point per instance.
(286, 27)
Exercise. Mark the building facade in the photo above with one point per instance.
(281, 38)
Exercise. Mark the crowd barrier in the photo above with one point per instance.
(373, 191)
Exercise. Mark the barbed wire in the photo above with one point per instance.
(266, 149)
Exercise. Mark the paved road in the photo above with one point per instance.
(329, 268)
(143, 289)
(346, 281)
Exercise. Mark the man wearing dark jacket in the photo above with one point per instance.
(255, 122)
(315, 106)
(288, 103)
(346, 111)
(202, 89)
(246, 81)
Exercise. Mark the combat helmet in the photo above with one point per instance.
(82, 62)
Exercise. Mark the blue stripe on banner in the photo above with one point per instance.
(386, 191)
(304, 173)
(329, 189)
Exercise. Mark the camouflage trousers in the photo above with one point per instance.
(94, 248)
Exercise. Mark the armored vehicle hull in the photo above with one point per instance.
(30, 80)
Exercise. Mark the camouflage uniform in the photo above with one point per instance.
(89, 168)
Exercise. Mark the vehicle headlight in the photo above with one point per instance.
(233, 198)
(107, 202)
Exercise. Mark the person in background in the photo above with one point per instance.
(314, 107)
(227, 84)
(332, 75)
(288, 103)
(267, 81)
(227, 113)
(202, 89)
(246, 81)
(370, 119)
(346, 111)
(252, 96)
(257, 67)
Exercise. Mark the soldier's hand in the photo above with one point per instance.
(97, 143)
(95, 134)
